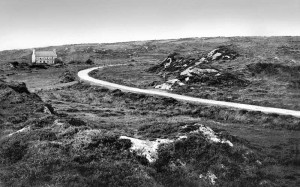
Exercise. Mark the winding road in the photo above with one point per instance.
(84, 76)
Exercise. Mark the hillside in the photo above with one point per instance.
(83, 135)
(245, 70)
(285, 48)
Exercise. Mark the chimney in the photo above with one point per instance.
(33, 56)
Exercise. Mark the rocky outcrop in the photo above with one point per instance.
(169, 84)
(190, 69)
(17, 104)
(222, 53)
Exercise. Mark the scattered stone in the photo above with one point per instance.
(209, 177)
(190, 71)
(197, 70)
(222, 53)
(210, 135)
(169, 84)
(145, 147)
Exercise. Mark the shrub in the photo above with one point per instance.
(58, 61)
(89, 61)
(76, 122)
(12, 149)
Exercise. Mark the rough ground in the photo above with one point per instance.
(82, 143)
(85, 77)
(244, 70)
(96, 136)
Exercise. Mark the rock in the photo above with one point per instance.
(209, 176)
(18, 87)
(17, 104)
(48, 109)
(207, 132)
(145, 147)
(222, 53)
(201, 61)
(14, 64)
(199, 70)
(217, 55)
(190, 71)
(169, 84)
(25, 129)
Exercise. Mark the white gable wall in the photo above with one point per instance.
(33, 56)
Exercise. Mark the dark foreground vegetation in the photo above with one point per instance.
(78, 144)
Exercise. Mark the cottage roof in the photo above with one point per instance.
(45, 54)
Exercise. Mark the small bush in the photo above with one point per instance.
(89, 61)
(76, 122)
(58, 61)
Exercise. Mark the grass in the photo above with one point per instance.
(113, 113)
(131, 75)
(79, 146)
(273, 75)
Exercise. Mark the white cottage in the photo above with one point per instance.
(47, 57)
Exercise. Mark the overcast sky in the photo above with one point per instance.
(34, 23)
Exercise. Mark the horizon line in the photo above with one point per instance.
(128, 41)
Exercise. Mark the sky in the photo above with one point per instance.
(38, 23)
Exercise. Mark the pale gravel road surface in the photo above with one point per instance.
(84, 76)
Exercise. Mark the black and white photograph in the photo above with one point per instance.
(149, 93)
